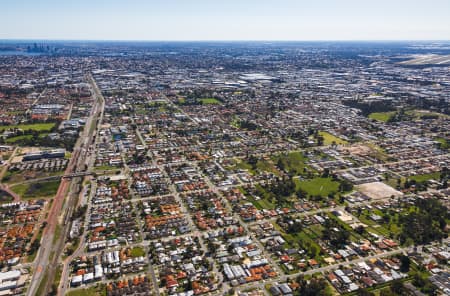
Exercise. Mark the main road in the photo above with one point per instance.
(51, 245)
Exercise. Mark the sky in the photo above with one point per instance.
(225, 19)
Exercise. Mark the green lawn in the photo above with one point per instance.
(444, 143)
(37, 190)
(35, 126)
(381, 116)
(15, 139)
(328, 139)
(261, 204)
(137, 252)
(207, 101)
(425, 177)
(318, 186)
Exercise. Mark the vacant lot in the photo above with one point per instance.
(98, 290)
(37, 190)
(12, 177)
(378, 190)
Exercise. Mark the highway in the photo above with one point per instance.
(51, 246)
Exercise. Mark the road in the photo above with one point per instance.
(281, 277)
(46, 259)
(3, 171)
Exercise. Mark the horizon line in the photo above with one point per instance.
(224, 40)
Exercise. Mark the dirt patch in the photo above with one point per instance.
(378, 190)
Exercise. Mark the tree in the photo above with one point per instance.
(336, 238)
(364, 292)
(398, 288)
(404, 263)
(320, 140)
(326, 173)
(280, 164)
(359, 229)
(426, 225)
(315, 287)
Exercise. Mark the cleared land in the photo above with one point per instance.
(429, 59)
(378, 190)
(98, 290)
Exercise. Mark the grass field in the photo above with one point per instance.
(40, 127)
(137, 252)
(425, 177)
(207, 101)
(37, 190)
(98, 290)
(328, 139)
(444, 143)
(13, 140)
(381, 116)
(318, 186)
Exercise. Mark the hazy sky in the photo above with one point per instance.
(225, 19)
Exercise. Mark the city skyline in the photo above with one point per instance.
(202, 20)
